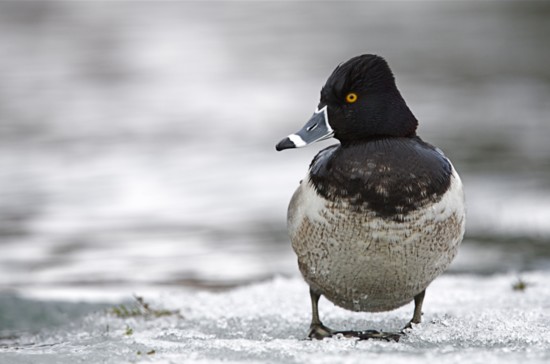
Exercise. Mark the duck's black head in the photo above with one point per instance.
(359, 101)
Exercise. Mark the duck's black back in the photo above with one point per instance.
(389, 176)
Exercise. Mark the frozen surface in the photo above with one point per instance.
(467, 319)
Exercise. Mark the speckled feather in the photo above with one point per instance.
(355, 245)
(388, 176)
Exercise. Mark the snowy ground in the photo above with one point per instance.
(467, 319)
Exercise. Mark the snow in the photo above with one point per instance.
(466, 318)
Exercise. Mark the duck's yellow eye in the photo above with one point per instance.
(351, 97)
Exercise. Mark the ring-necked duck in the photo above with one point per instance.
(380, 215)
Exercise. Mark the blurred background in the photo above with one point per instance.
(137, 139)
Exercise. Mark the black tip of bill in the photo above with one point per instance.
(286, 143)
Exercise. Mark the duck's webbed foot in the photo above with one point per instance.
(371, 334)
(319, 331)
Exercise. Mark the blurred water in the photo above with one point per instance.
(137, 140)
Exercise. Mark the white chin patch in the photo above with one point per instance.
(297, 140)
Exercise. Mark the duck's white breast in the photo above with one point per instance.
(364, 262)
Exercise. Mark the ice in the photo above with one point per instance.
(466, 318)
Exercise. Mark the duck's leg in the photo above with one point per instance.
(317, 330)
(417, 316)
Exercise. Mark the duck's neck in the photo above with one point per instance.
(350, 143)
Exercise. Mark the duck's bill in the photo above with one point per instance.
(316, 129)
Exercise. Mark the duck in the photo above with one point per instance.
(379, 215)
